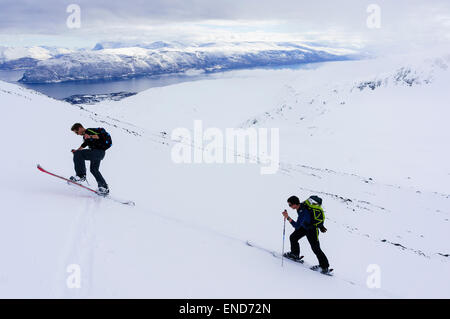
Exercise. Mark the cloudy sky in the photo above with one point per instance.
(411, 23)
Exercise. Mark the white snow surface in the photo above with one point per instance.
(378, 158)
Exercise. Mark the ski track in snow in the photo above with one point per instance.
(305, 266)
(358, 205)
(79, 250)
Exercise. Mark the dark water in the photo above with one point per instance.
(66, 89)
(138, 84)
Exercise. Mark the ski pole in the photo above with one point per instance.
(284, 231)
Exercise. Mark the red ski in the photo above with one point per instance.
(131, 203)
(65, 179)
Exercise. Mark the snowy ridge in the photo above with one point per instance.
(301, 104)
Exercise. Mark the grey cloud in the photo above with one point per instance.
(400, 18)
(49, 14)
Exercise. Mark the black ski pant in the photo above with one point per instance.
(93, 155)
(313, 237)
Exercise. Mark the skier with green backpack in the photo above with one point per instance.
(310, 220)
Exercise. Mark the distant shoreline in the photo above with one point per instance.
(66, 89)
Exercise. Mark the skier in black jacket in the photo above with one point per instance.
(96, 139)
(304, 227)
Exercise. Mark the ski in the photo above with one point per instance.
(299, 260)
(317, 268)
(274, 253)
(278, 255)
(70, 182)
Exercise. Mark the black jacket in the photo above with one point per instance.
(95, 144)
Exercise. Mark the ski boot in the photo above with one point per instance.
(78, 179)
(103, 191)
(293, 257)
(324, 271)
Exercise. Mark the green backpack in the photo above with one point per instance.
(314, 204)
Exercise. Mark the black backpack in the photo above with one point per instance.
(105, 140)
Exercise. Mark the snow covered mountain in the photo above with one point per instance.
(118, 60)
(376, 154)
(16, 58)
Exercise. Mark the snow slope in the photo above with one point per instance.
(186, 235)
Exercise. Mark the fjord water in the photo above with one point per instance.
(63, 90)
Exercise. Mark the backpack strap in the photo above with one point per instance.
(92, 131)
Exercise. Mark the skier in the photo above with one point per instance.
(305, 226)
(98, 141)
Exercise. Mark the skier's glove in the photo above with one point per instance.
(323, 229)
